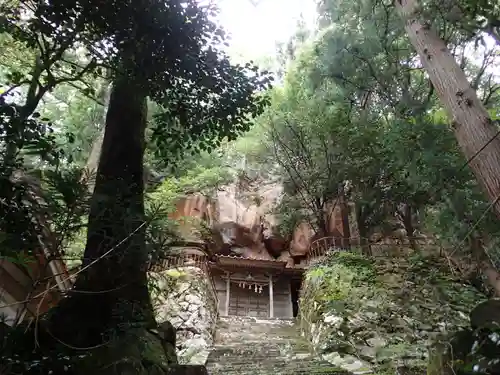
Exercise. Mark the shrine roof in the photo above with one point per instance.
(235, 261)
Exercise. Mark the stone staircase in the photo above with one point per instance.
(250, 346)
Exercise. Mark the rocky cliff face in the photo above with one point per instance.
(369, 316)
(245, 221)
(239, 217)
(241, 221)
(301, 239)
(190, 211)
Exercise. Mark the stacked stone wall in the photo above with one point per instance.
(185, 297)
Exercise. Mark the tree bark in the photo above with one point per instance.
(95, 153)
(344, 210)
(476, 248)
(323, 221)
(364, 231)
(483, 260)
(112, 292)
(407, 218)
(473, 127)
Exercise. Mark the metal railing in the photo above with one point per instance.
(179, 260)
(324, 245)
(328, 244)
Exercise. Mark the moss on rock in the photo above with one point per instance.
(382, 312)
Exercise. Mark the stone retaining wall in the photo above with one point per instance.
(185, 297)
(366, 315)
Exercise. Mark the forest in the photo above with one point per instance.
(110, 111)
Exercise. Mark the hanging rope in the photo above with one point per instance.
(256, 286)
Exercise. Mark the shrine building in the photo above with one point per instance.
(257, 288)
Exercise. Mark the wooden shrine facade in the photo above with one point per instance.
(252, 287)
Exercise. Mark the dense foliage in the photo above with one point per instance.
(385, 312)
(358, 116)
(168, 52)
(355, 119)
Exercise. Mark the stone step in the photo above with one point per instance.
(258, 355)
(296, 346)
(250, 346)
(267, 331)
(235, 360)
(264, 363)
(256, 347)
(231, 355)
(260, 352)
(277, 368)
(252, 323)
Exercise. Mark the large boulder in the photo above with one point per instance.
(301, 239)
(364, 314)
(274, 242)
(236, 218)
(194, 205)
(234, 234)
(231, 209)
(243, 215)
(190, 212)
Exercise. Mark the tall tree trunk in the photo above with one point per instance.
(344, 211)
(477, 250)
(112, 292)
(363, 230)
(483, 260)
(93, 160)
(95, 153)
(407, 218)
(322, 220)
(473, 127)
